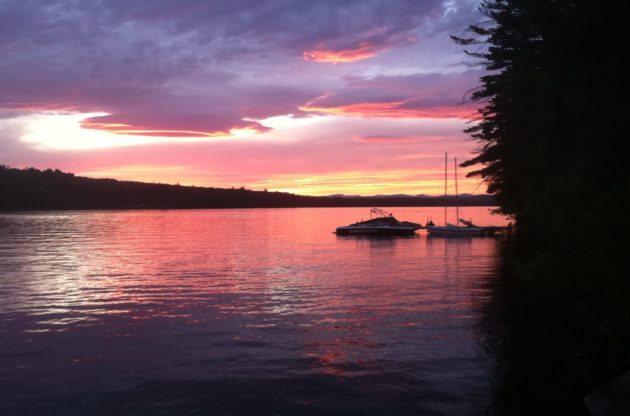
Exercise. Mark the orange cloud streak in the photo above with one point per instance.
(393, 110)
(38, 107)
(127, 129)
(365, 50)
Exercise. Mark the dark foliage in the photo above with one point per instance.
(32, 189)
(552, 132)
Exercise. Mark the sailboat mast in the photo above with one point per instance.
(445, 181)
(456, 196)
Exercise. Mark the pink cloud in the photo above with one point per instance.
(398, 109)
(365, 50)
(405, 96)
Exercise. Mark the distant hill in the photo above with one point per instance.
(33, 189)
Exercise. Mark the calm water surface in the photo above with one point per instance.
(262, 311)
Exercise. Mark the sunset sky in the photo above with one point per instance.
(312, 97)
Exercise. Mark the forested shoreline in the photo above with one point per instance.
(551, 133)
(32, 189)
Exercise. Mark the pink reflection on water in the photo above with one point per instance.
(225, 283)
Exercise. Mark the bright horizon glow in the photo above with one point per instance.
(365, 183)
(368, 183)
(62, 131)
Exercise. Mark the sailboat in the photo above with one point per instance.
(454, 230)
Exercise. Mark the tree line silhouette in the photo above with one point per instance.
(33, 189)
(551, 131)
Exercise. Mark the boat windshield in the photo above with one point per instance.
(382, 220)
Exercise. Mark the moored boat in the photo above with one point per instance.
(452, 230)
(468, 229)
(384, 224)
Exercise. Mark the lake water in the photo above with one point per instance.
(238, 312)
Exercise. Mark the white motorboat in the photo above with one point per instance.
(384, 224)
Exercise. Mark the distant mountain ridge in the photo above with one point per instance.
(465, 195)
(33, 189)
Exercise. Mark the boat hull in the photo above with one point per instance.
(378, 231)
(454, 231)
(383, 225)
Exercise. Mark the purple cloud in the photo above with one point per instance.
(200, 67)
